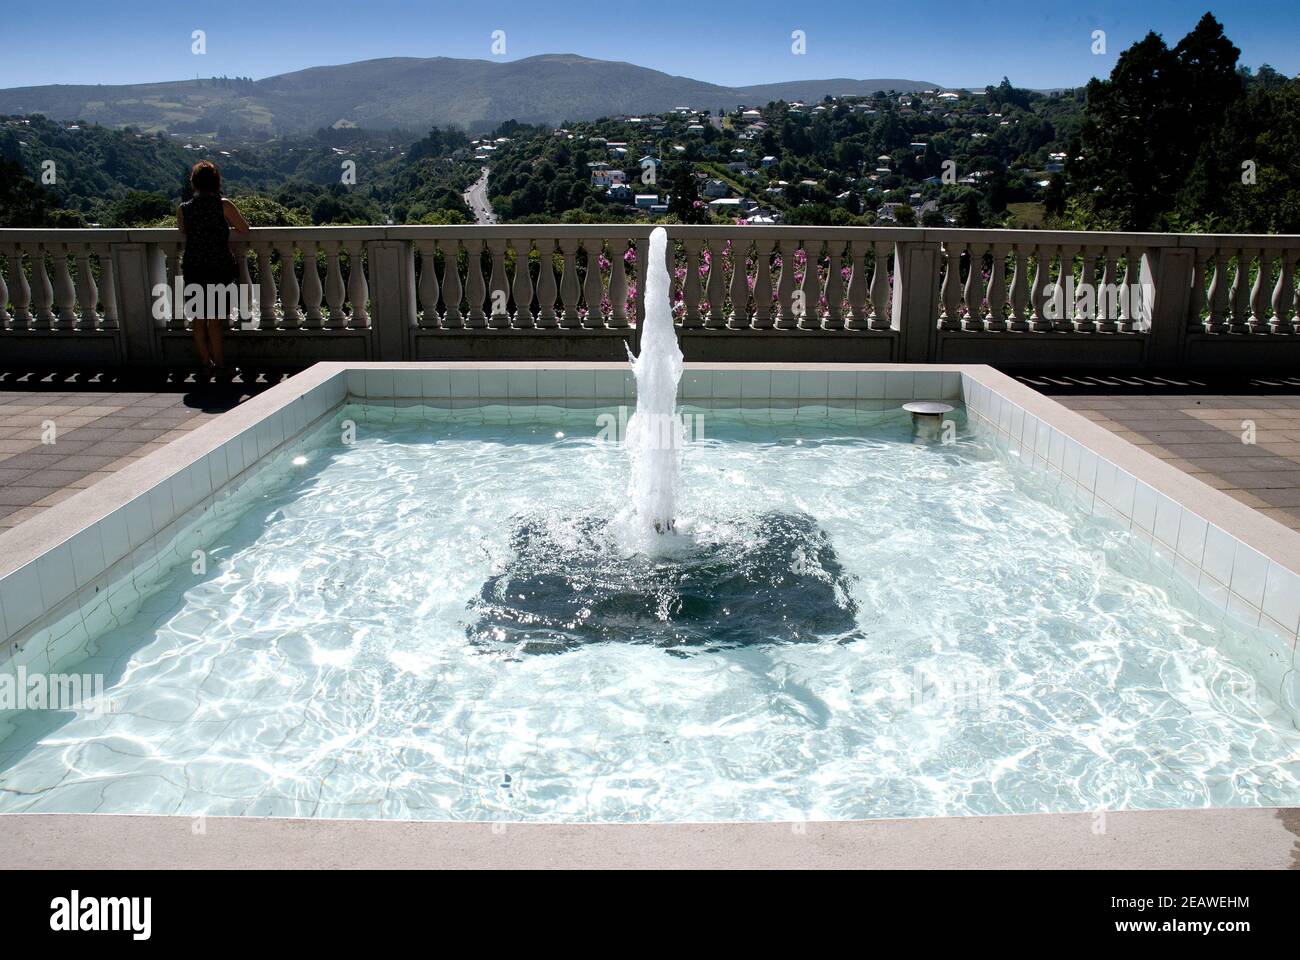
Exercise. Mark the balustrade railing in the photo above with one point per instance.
(387, 287)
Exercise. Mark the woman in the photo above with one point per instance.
(207, 220)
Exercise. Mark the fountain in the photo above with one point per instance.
(654, 434)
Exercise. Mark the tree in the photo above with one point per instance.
(685, 203)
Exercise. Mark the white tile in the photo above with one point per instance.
(814, 385)
(139, 521)
(1213, 592)
(464, 383)
(726, 385)
(1249, 573)
(1124, 489)
(756, 385)
(1282, 597)
(785, 385)
(899, 385)
(1144, 510)
(1239, 609)
(493, 384)
(160, 505)
(356, 383)
(379, 383)
(87, 554)
(1056, 450)
(1044, 442)
(406, 383)
(697, 385)
(20, 598)
(114, 536)
(218, 470)
(951, 386)
(1168, 516)
(842, 385)
(1220, 548)
(927, 386)
(609, 384)
(436, 384)
(550, 384)
(522, 384)
(1191, 537)
(871, 384)
(58, 581)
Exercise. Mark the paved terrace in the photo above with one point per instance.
(108, 421)
(101, 425)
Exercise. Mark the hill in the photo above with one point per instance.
(408, 93)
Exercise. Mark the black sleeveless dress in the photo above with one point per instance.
(207, 258)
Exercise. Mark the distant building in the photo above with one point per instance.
(647, 200)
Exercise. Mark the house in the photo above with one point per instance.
(767, 162)
(620, 192)
(716, 188)
(645, 201)
(726, 205)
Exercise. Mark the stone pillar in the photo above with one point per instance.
(392, 297)
(131, 273)
(916, 300)
(1170, 270)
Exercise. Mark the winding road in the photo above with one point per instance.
(476, 197)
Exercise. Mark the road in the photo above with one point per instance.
(476, 197)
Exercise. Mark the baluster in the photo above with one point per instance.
(1283, 291)
(358, 287)
(522, 289)
(1107, 302)
(22, 291)
(858, 317)
(995, 293)
(691, 285)
(87, 293)
(618, 282)
(475, 285)
(4, 288)
(291, 317)
(1130, 302)
(882, 305)
(335, 291)
(312, 292)
(426, 285)
(569, 318)
(1196, 296)
(42, 292)
(592, 290)
(1040, 292)
(266, 292)
(1259, 291)
(786, 319)
(1219, 294)
(1240, 293)
(499, 289)
(546, 289)
(1084, 306)
(642, 265)
(738, 285)
(65, 295)
(950, 288)
(1020, 291)
(452, 289)
(974, 286)
(834, 285)
(716, 287)
(808, 288)
(763, 285)
(1062, 290)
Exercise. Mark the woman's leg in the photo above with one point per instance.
(217, 343)
(201, 343)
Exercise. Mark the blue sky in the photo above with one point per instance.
(950, 42)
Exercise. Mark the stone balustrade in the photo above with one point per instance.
(1035, 298)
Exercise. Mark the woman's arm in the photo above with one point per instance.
(236, 219)
(180, 219)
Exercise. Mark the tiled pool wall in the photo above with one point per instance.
(1227, 575)
(53, 603)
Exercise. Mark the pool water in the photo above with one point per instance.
(441, 620)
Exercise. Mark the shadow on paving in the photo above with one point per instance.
(208, 395)
(1194, 383)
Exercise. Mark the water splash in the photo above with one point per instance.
(654, 433)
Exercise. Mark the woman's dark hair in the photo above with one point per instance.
(205, 177)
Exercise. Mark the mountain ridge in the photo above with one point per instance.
(411, 93)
